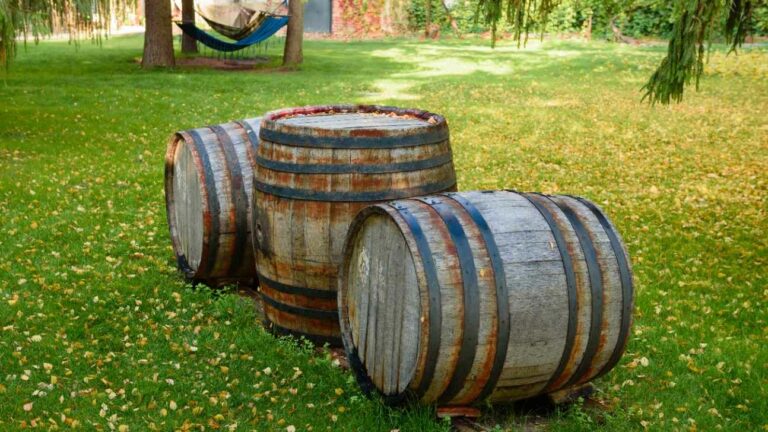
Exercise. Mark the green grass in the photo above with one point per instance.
(97, 330)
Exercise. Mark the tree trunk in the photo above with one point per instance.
(158, 38)
(454, 24)
(427, 17)
(293, 54)
(188, 43)
(385, 19)
(618, 36)
(588, 29)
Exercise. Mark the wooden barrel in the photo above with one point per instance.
(462, 297)
(316, 168)
(208, 191)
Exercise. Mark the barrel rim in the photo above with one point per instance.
(239, 197)
(439, 204)
(357, 366)
(181, 260)
(434, 130)
(626, 276)
(586, 241)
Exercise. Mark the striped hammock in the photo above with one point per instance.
(249, 19)
(266, 27)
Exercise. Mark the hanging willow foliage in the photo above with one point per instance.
(693, 31)
(34, 19)
(521, 14)
(688, 46)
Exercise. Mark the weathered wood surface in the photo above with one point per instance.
(208, 192)
(316, 168)
(489, 295)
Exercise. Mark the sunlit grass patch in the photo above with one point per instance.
(97, 330)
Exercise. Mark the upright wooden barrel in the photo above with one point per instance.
(316, 168)
(208, 193)
(462, 297)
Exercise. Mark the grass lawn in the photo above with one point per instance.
(98, 331)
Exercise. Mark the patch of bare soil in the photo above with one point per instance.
(255, 64)
(222, 63)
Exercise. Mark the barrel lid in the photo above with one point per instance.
(384, 345)
(184, 195)
(353, 126)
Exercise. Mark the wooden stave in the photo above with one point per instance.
(353, 207)
(520, 391)
(339, 213)
(607, 257)
(232, 142)
(170, 156)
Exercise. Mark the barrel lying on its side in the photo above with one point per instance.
(316, 168)
(208, 181)
(461, 297)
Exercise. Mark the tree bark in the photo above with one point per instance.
(158, 38)
(188, 43)
(588, 29)
(454, 24)
(618, 36)
(427, 17)
(293, 54)
(385, 20)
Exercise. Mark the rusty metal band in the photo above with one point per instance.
(363, 378)
(433, 289)
(297, 290)
(502, 294)
(627, 288)
(251, 132)
(361, 372)
(431, 136)
(301, 311)
(238, 198)
(345, 196)
(315, 339)
(183, 265)
(596, 288)
(359, 168)
(471, 304)
(212, 200)
(320, 110)
(570, 282)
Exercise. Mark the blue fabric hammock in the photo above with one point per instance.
(271, 25)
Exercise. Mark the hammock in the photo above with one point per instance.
(265, 29)
(247, 19)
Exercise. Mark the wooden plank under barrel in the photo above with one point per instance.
(208, 194)
(316, 168)
(462, 297)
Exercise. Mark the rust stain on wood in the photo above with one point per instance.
(298, 300)
(291, 255)
(517, 380)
